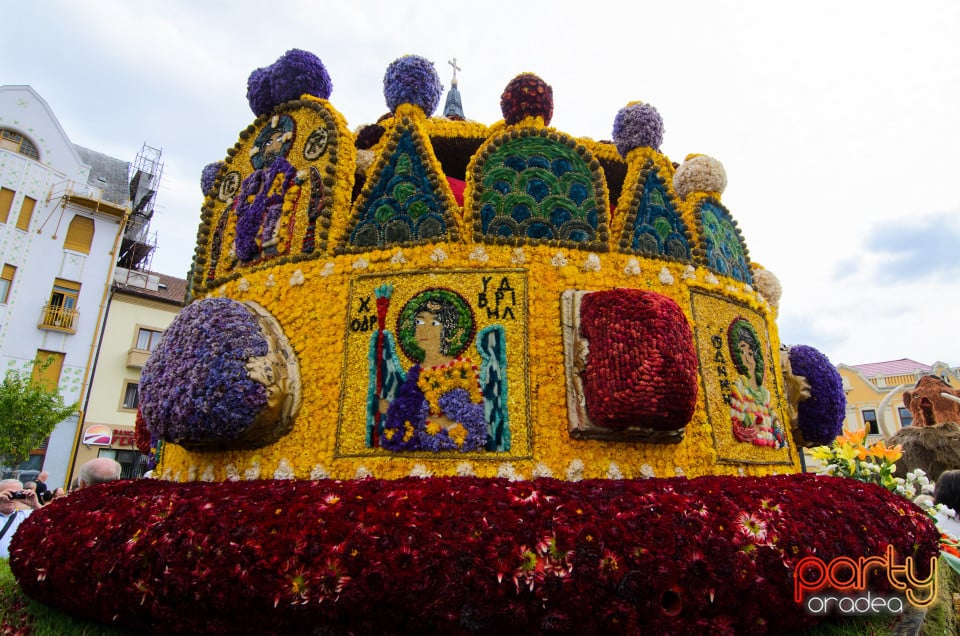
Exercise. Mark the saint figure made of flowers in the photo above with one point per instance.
(753, 418)
(445, 401)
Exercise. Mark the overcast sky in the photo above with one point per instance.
(838, 123)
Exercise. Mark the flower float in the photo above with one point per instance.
(502, 378)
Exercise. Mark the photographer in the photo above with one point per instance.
(12, 493)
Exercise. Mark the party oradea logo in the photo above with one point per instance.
(842, 585)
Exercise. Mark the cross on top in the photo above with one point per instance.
(456, 68)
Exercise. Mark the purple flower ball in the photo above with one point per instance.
(195, 388)
(295, 73)
(635, 126)
(208, 176)
(258, 91)
(412, 79)
(821, 416)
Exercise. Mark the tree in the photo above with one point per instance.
(29, 411)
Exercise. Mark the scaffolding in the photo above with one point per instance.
(139, 242)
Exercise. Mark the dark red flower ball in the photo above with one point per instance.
(526, 96)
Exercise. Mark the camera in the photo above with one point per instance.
(19, 495)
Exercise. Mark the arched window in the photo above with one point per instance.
(79, 235)
(11, 140)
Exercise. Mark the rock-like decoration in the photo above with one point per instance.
(932, 401)
(933, 448)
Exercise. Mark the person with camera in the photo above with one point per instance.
(12, 493)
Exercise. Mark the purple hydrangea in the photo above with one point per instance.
(821, 416)
(637, 126)
(208, 176)
(194, 387)
(412, 79)
(295, 73)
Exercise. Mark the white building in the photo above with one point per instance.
(64, 212)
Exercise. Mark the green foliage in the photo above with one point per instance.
(28, 413)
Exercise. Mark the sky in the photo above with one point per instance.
(838, 123)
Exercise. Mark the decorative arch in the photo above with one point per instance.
(537, 186)
(724, 250)
(653, 225)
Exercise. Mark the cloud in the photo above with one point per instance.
(910, 250)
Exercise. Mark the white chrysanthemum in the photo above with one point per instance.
(767, 285)
(232, 473)
(542, 471)
(519, 257)
(318, 472)
(243, 285)
(270, 282)
(365, 159)
(741, 472)
(328, 269)
(360, 263)
(438, 255)
(679, 472)
(253, 472)
(177, 476)
(465, 469)
(167, 474)
(398, 258)
(284, 470)
(710, 278)
(647, 472)
(559, 259)
(592, 263)
(575, 470)
(297, 278)
(362, 472)
(666, 278)
(223, 291)
(479, 255)
(689, 272)
(420, 470)
(208, 474)
(507, 471)
(192, 472)
(632, 268)
(614, 472)
(699, 173)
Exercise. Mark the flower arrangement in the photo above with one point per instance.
(820, 416)
(648, 334)
(847, 456)
(456, 555)
(195, 387)
(637, 125)
(412, 79)
(208, 176)
(295, 73)
(526, 95)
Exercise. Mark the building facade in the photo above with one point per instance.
(875, 393)
(68, 216)
(141, 306)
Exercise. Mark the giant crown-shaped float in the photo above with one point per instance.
(435, 296)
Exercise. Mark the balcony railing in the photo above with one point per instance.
(58, 318)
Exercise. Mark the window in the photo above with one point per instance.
(46, 369)
(870, 421)
(133, 464)
(10, 140)
(79, 235)
(26, 213)
(906, 417)
(131, 396)
(148, 339)
(6, 202)
(62, 310)
(6, 282)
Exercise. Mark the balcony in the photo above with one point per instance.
(58, 318)
(136, 358)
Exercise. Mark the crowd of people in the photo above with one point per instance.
(18, 500)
